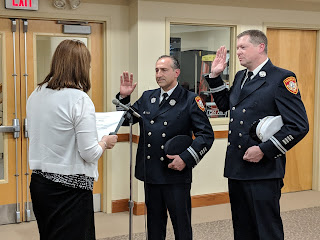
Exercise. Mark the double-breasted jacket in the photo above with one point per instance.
(181, 114)
(273, 91)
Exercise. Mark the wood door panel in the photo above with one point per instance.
(8, 185)
(295, 50)
(97, 86)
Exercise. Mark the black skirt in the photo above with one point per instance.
(62, 212)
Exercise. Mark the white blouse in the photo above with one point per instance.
(62, 132)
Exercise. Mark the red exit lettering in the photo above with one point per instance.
(22, 3)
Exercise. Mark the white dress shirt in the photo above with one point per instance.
(169, 93)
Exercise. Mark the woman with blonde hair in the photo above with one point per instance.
(64, 146)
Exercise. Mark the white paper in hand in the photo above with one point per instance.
(108, 122)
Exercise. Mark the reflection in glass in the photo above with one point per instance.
(195, 47)
(1, 114)
(46, 45)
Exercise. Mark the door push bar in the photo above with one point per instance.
(15, 128)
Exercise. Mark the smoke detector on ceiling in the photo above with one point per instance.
(74, 4)
(61, 4)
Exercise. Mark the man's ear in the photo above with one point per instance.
(261, 47)
(177, 72)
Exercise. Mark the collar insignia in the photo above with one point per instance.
(262, 74)
(172, 102)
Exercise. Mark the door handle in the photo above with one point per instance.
(15, 128)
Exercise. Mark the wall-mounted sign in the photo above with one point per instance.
(22, 4)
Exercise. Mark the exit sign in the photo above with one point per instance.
(22, 4)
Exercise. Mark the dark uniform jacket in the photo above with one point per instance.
(179, 115)
(273, 91)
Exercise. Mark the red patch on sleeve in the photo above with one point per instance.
(291, 84)
(200, 104)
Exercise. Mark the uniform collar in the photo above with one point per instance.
(169, 92)
(171, 102)
(257, 70)
(260, 79)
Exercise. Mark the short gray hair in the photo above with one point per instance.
(175, 62)
(256, 37)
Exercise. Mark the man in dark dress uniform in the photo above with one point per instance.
(167, 112)
(255, 169)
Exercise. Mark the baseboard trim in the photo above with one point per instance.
(139, 208)
(196, 201)
(210, 199)
(121, 205)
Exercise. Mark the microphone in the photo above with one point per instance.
(129, 109)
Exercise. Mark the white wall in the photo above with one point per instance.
(204, 40)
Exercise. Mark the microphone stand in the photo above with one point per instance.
(129, 118)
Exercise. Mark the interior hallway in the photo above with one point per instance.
(116, 224)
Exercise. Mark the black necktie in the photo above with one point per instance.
(249, 75)
(164, 96)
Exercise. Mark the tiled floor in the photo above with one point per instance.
(118, 223)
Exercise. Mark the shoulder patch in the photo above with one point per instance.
(200, 104)
(291, 84)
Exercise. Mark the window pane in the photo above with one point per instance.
(195, 47)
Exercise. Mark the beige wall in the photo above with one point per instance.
(136, 36)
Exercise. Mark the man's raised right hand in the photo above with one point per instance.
(219, 63)
(126, 84)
